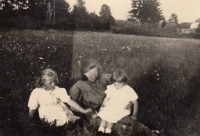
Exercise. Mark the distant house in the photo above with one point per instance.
(127, 23)
(192, 28)
(132, 19)
(133, 22)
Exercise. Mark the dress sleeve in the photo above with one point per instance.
(33, 100)
(64, 97)
(133, 95)
(74, 92)
(108, 91)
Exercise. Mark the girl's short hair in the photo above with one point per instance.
(87, 65)
(119, 76)
(46, 73)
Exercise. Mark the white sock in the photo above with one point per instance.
(101, 129)
(108, 130)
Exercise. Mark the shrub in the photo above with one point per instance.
(121, 30)
(170, 30)
(145, 31)
(195, 35)
(198, 29)
(24, 22)
(64, 24)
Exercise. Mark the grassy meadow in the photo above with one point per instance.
(164, 72)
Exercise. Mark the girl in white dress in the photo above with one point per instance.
(50, 99)
(118, 96)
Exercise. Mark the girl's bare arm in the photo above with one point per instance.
(31, 113)
(77, 107)
(135, 110)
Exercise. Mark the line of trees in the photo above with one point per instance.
(33, 13)
(145, 18)
(146, 13)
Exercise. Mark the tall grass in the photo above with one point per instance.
(164, 73)
(22, 55)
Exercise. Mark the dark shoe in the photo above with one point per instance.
(99, 133)
(107, 134)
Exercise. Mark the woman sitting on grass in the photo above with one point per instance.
(50, 99)
(89, 92)
(118, 96)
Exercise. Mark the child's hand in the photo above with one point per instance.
(134, 117)
(128, 107)
(94, 114)
(88, 110)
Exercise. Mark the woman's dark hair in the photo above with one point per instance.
(46, 73)
(87, 65)
(119, 76)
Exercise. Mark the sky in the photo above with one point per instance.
(186, 10)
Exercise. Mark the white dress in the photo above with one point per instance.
(114, 108)
(51, 106)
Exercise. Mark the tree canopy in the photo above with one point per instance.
(105, 14)
(35, 8)
(174, 19)
(136, 5)
(79, 11)
(80, 3)
(146, 11)
(62, 9)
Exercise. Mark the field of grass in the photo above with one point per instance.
(164, 73)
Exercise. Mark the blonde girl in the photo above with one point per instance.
(50, 100)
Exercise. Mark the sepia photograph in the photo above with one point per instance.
(99, 68)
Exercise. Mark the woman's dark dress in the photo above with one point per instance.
(90, 94)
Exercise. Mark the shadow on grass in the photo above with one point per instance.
(14, 79)
(168, 99)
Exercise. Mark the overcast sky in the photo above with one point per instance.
(186, 10)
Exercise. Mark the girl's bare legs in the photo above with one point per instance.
(109, 127)
(102, 126)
